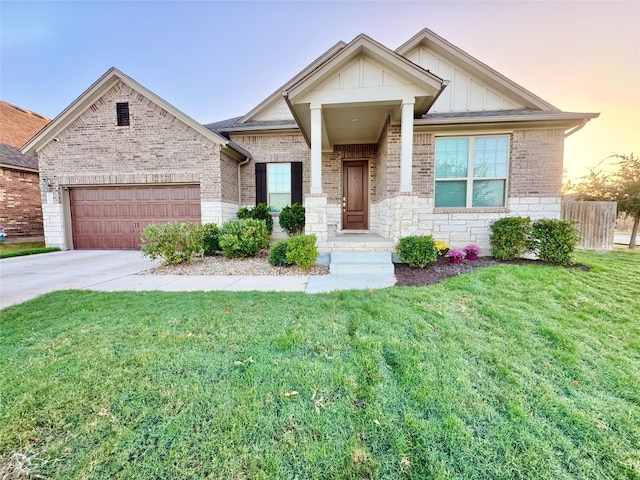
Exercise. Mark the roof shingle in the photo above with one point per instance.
(17, 125)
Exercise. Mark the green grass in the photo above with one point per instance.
(508, 372)
(8, 250)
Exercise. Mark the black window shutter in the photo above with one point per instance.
(261, 183)
(122, 114)
(296, 182)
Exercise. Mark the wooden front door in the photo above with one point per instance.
(355, 191)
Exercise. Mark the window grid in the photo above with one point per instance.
(278, 185)
(484, 178)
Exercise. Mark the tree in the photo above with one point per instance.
(621, 185)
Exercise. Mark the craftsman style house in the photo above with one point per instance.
(421, 140)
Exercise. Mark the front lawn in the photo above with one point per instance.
(507, 372)
(8, 250)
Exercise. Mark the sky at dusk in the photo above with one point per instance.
(216, 60)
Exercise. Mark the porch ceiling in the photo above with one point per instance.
(355, 123)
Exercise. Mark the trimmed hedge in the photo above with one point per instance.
(554, 241)
(417, 251)
(243, 238)
(510, 237)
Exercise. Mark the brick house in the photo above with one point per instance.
(20, 201)
(377, 144)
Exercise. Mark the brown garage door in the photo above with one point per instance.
(113, 217)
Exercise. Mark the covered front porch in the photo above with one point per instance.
(356, 112)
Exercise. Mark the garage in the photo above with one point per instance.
(112, 218)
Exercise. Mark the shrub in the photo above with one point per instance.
(278, 254)
(417, 251)
(441, 247)
(292, 219)
(210, 233)
(555, 240)
(259, 212)
(243, 238)
(172, 242)
(302, 251)
(510, 237)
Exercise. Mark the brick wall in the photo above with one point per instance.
(282, 148)
(20, 203)
(228, 179)
(423, 164)
(155, 148)
(535, 169)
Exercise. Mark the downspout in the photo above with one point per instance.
(244, 162)
(247, 156)
(575, 129)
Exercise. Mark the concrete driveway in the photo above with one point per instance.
(25, 278)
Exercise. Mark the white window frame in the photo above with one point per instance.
(469, 179)
(269, 167)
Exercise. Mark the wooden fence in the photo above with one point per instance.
(597, 222)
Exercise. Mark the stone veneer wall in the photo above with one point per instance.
(20, 203)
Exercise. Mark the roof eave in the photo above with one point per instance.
(17, 167)
(555, 120)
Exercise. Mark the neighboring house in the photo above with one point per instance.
(20, 201)
(421, 140)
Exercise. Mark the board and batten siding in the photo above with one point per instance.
(464, 93)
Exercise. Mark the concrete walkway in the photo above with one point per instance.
(25, 278)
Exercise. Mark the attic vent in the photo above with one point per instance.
(122, 114)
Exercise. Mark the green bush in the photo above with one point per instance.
(417, 251)
(292, 219)
(302, 251)
(278, 254)
(259, 212)
(210, 233)
(510, 237)
(555, 240)
(172, 242)
(243, 238)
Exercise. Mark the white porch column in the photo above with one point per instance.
(406, 146)
(316, 150)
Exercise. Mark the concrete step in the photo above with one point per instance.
(361, 262)
(362, 243)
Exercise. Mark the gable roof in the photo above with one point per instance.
(12, 157)
(17, 124)
(99, 88)
(364, 44)
(277, 95)
(431, 40)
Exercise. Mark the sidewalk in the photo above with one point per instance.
(25, 278)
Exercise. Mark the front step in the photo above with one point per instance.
(361, 262)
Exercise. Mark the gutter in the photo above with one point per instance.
(575, 129)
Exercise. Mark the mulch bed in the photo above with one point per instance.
(441, 269)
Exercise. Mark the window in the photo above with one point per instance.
(471, 171)
(278, 184)
(122, 114)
